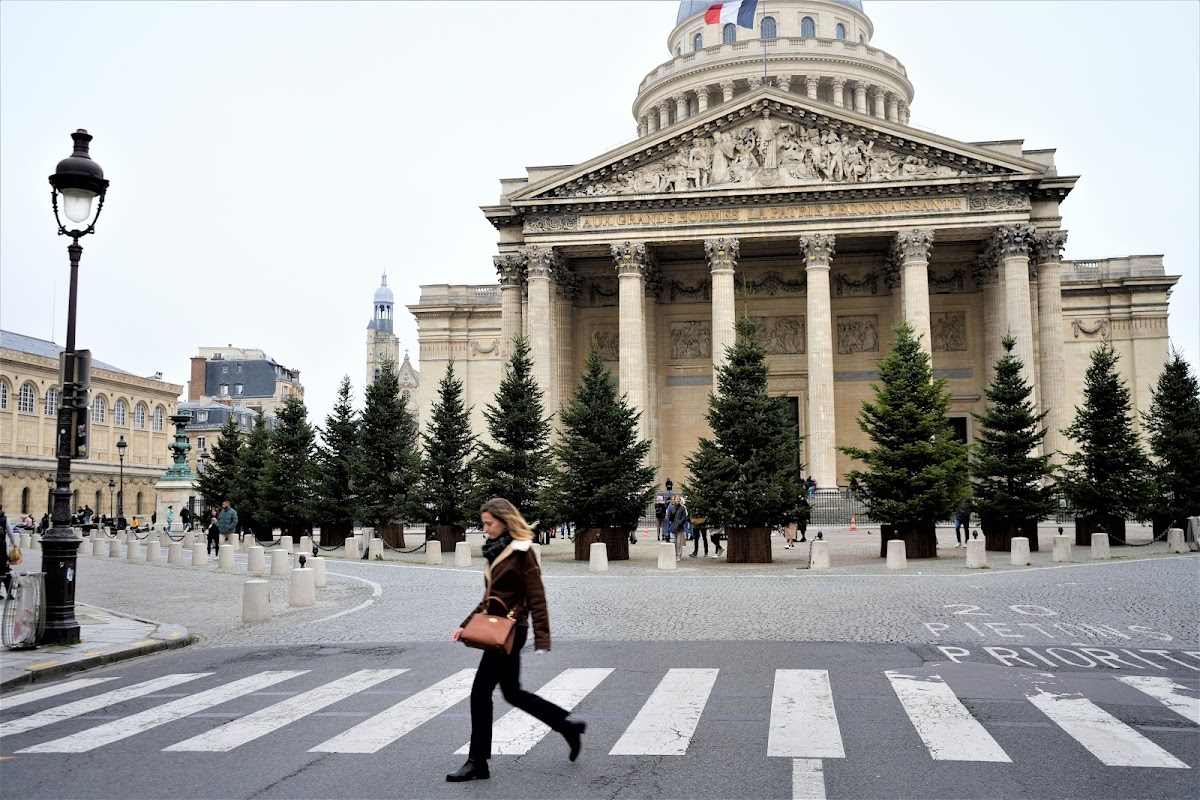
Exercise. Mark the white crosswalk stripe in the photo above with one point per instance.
(1169, 693)
(668, 720)
(1106, 737)
(948, 730)
(803, 721)
(50, 691)
(516, 732)
(379, 731)
(272, 718)
(125, 727)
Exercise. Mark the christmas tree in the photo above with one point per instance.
(389, 469)
(338, 458)
(449, 453)
(217, 479)
(1173, 424)
(290, 474)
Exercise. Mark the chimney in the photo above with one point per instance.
(196, 384)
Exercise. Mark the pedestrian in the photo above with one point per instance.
(185, 519)
(227, 520)
(677, 517)
(660, 514)
(170, 517)
(962, 522)
(27, 522)
(789, 533)
(214, 534)
(513, 576)
(810, 487)
(11, 545)
(44, 525)
(153, 519)
(136, 524)
(699, 534)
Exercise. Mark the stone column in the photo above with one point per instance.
(1012, 246)
(877, 96)
(839, 92)
(664, 114)
(912, 254)
(1047, 256)
(904, 112)
(631, 260)
(702, 99)
(755, 82)
(643, 126)
(726, 91)
(785, 83)
(817, 250)
(985, 274)
(540, 272)
(722, 261)
(1034, 398)
(681, 106)
(651, 121)
(810, 85)
(893, 107)
(860, 97)
(511, 270)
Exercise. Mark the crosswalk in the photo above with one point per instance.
(803, 722)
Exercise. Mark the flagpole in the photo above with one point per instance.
(764, 43)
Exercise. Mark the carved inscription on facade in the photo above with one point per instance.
(692, 339)
(783, 336)
(609, 341)
(948, 331)
(858, 334)
(797, 211)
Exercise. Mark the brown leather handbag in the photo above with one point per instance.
(486, 631)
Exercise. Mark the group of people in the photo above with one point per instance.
(677, 524)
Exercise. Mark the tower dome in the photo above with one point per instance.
(383, 294)
(690, 8)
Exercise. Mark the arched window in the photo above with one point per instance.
(678, 51)
(158, 419)
(729, 34)
(51, 404)
(767, 29)
(808, 28)
(697, 42)
(25, 500)
(119, 413)
(3, 395)
(137, 509)
(99, 503)
(27, 402)
(862, 39)
(139, 415)
(840, 31)
(99, 408)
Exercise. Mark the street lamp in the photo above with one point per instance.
(49, 495)
(111, 485)
(78, 180)
(121, 445)
(201, 468)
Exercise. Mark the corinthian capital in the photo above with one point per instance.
(510, 268)
(1048, 246)
(722, 253)
(913, 245)
(1013, 241)
(631, 258)
(755, 82)
(817, 248)
(542, 261)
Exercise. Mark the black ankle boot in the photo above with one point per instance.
(573, 732)
(470, 771)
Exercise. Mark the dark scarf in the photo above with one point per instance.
(494, 547)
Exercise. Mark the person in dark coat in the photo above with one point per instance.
(515, 574)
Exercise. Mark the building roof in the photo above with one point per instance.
(383, 294)
(40, 347)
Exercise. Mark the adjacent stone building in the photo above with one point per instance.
(804, 198)
(247, 377)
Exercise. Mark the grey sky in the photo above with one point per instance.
(269, 160)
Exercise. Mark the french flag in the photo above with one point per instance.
(740, 11)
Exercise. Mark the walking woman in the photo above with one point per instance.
(515, 577)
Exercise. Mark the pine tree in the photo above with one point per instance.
(518, 467)
(337, 459)
(1173, 424)
(1108, 476)
(449, 453)
(217, 481)
(917, 471)
(1011, 485)
(747, 475)
(290, 474)
(249, 494)
(602, 480)
(390, 465)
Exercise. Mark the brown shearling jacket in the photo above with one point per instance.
(516, 578)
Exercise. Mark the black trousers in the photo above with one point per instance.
(214, 542)
(505, 669)
(701, 536)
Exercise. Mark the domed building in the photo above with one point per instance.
(775, 169)
(384, 345)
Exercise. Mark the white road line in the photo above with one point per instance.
(516, 732)
(376, 593)
(808, 779)
(666, 723)
(125, 727)
(376, 733)
(95, 703)
(272, 718)
(1106, 737)
(50, 691)
(944, 724)
(803, 721)
(1169, 693)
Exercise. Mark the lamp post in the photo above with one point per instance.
(201, 468)
(111, 485)
(49, 495)
(78, 180)
(121, 445)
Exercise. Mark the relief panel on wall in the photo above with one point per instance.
(948, 331)
(783, 336)
(608, 339)
(858, 334)
(691, 339)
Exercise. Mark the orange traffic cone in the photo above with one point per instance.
(853, 523)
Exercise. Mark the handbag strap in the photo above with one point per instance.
(509, 612)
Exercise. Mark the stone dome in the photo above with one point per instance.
(383, 294)
(690, 8)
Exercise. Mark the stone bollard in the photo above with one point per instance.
(433, 552)
(23, 541)
(256, 560)
(130, 536)
(97, 548)
(175, 553)
(462, 554)
(1019, 557)
(821, 558)
(225, 556)
(303, 591)
(1175, 542)
(256, 602)
(976, 554)
(163, 539)
(306, 544)
(285, 543)
(599, 557)
(199, 555)
(133, 552)
(281, 562)
(114, 549)
(375, 549)
(153, 552)
(1100, 547)
(236, 543)
(35, 541)
(318, 568)
(666, 556)
(189, 539)
(897, 557)
(353, 551)
(1062, 547)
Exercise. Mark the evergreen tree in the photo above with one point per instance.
(337, 459)
(602, 481)
(290, 474)
(217, 481)
(1009, 481)
(518, 467)
(747, 475)
(390, 465)
(248, 495)
(449, 453)
(917, 471)
(1109, 474)
(1173, 424)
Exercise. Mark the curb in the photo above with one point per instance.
(25, 677)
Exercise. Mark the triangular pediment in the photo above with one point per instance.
(774, 140)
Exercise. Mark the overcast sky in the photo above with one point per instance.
(269, 160)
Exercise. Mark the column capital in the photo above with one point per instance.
(839, 83)
(817, 249)
(876, 92)
(722, 253)
(631, 258)
(1048, 246)
(679, 98)
(984, 271)
(542, 262)
(510, 268)
(912, 245)
(1012, 241)
(755, 82)
(811, 82)
(784, 82)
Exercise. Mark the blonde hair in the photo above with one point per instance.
(507, 513)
